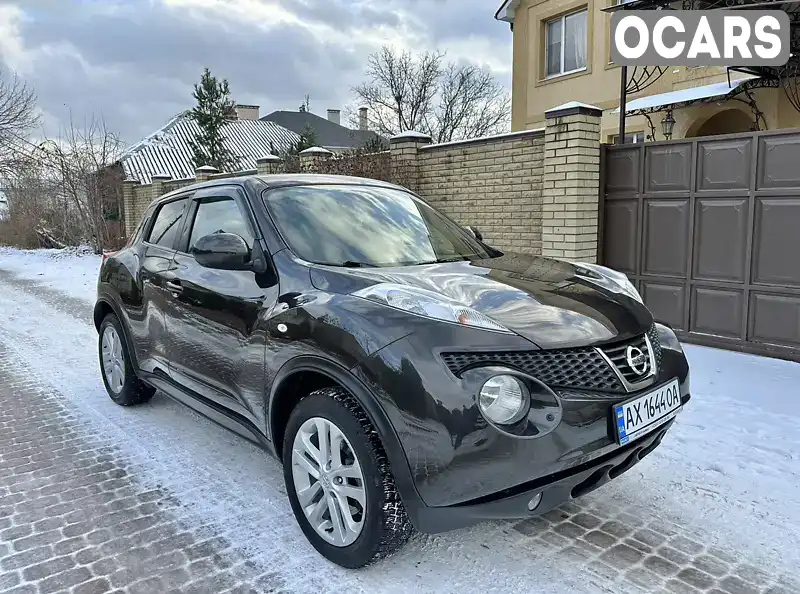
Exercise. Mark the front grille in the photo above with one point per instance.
(617, 354)
(566, 368)
(579, 368)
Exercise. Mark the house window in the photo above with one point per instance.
(566, 44)
(632, 138)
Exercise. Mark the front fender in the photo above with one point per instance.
(371, 406)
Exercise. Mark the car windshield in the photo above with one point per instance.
(352, 225)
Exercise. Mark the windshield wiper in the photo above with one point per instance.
(442, 260)
(453, 259)
(356, 264)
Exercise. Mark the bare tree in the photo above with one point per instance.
(17, 118)
(449, 101)
(60, 191)
(82, 166)
(471, 103)
(32, 210)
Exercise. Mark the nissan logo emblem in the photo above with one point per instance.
(637, 360)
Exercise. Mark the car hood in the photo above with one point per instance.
(550, 302)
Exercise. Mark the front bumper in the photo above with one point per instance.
(554, 489)
(460, 469)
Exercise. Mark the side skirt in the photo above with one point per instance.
(209, 409)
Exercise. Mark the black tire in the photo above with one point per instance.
(386, 525)
(134, 391)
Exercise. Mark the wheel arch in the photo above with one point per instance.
(312, 373)
(304, 374)
(104, 306)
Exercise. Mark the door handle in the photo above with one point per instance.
(174, 287)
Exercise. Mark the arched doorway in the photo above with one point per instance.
(729, 121)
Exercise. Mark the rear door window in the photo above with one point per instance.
(167, 225)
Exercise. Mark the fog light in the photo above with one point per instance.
(534, 503)
(504, 400)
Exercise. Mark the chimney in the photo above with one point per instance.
(363, 120)
(247, 112)
(335, 116)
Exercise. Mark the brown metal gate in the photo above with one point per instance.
(709, 231)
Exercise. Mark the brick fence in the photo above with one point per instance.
(492, 183)
(534, 191)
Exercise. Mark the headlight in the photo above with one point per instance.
(504, 400)
(428, 304)
(668, 339)
(618, 278)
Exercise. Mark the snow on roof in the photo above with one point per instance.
(675, 97)
(167, 150)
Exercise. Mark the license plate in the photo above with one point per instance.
(642, 414)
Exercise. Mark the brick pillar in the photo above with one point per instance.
(158, 184)
(404, 150)
(571, 183)
(268, 164)
(205, 172)
(312, 158)
(130, 212)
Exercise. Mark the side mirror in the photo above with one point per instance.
(222, 251)
(475, 233)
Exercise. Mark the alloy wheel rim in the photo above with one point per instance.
(329, 482)
(113, 360)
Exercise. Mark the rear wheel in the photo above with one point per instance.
(119, 378)
(339, 482)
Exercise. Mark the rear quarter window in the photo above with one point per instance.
(167, 224)
(136, 236)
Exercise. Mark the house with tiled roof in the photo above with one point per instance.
(167, 151)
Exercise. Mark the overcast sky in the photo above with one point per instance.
(134, 61)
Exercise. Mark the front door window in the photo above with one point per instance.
(219, 215)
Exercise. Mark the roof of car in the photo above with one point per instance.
(280, 180)
(302, 179)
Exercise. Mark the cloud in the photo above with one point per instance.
(135, 61)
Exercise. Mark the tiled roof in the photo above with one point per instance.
(167, 150)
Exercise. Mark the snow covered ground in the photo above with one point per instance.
(72, 271)
(725, 478)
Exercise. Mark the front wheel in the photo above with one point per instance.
(339, 482)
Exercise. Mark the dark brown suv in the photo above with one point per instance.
(405, 372)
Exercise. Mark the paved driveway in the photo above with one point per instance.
(97, 498)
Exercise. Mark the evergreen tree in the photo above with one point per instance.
(375, 144)
(308, 138)
(214, 107)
